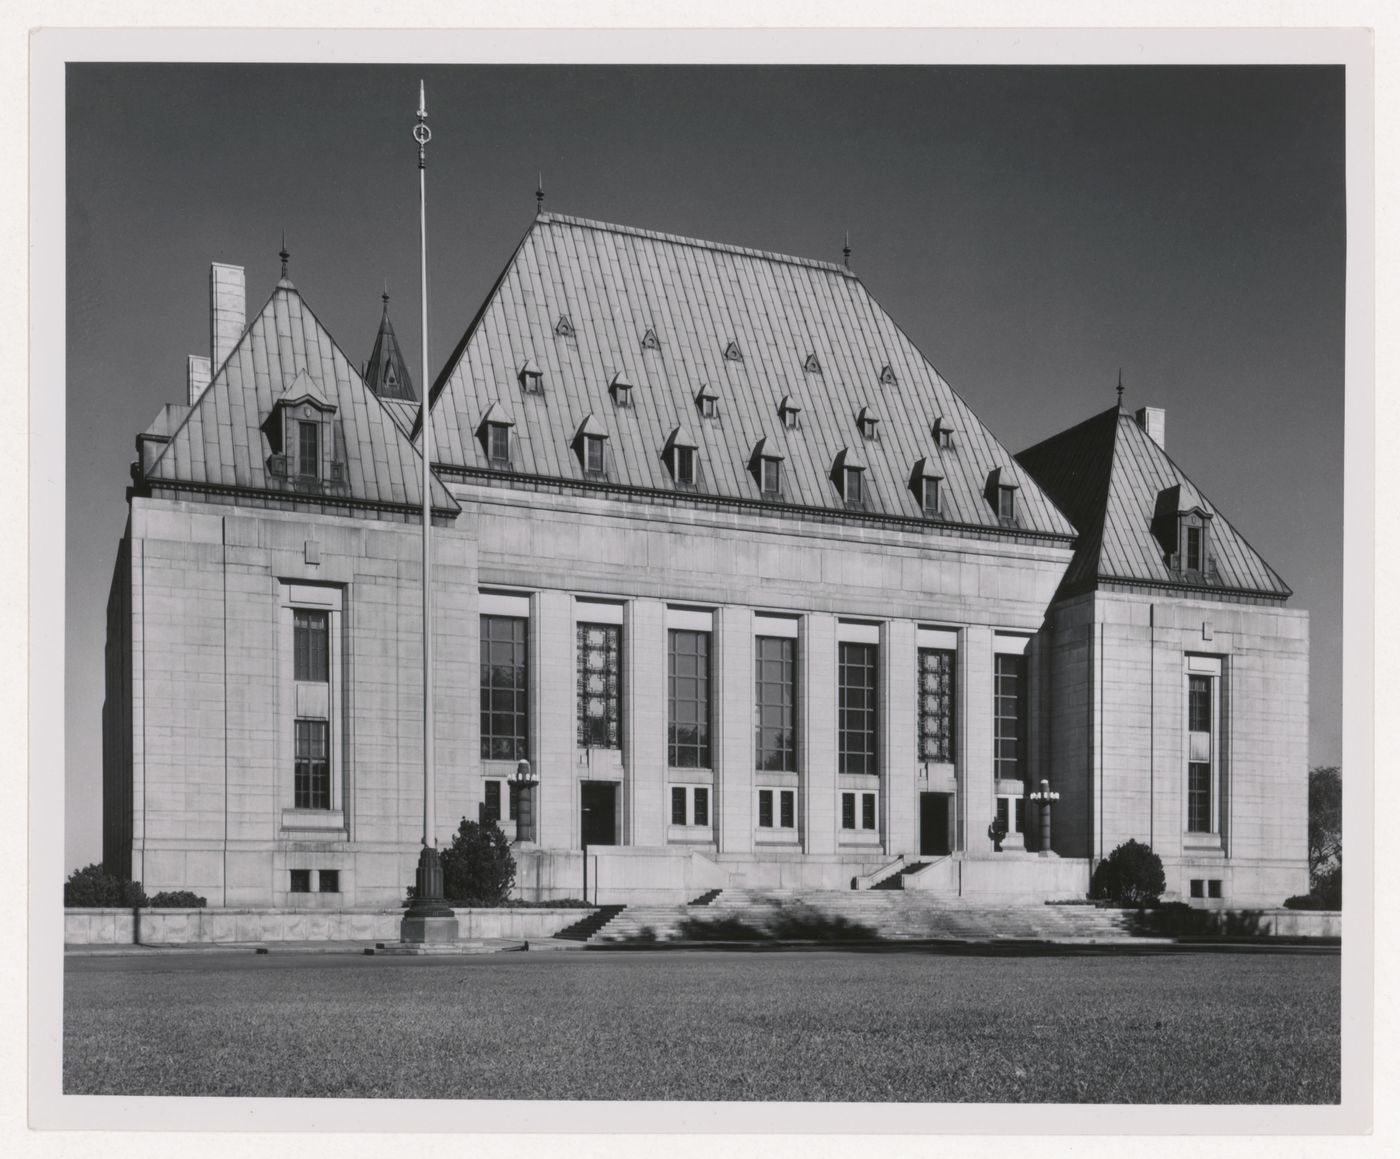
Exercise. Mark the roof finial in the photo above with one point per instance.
(385, 294)
(846, 249)
(539, 193)
(283, 254)
(1120, 387)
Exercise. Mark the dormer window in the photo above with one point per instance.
(925, 481)
(868, 421)
(589, 447)
(790, 411)
(621, 391)
(685, 466)
(1006, 505)
(1001, 494)
(498, 444)
(929, 498)
(680, 455)
(942, 434)
(531, 378)
(771, 482)
(848, 473)
(593, 454)
(1193, 540)
(707, 403)
(766, 466)
(309, 450)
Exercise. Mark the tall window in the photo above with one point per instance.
(771, 476)
(1200, 782)
(930, 496)
(688, 694)
(313, 770)
(858, 705)
(685, 466)
(505, 716)
(593, 454)
(1006, 505)
(498, 443)
(310, 646)
(309, 450)
(1194, 536)
(937, 670)
(1009, 695)
(599, 686)
(775, 727)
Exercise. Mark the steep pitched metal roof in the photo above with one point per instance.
(617, 284)
(1107, 474)
(386, 373)
(221, 442)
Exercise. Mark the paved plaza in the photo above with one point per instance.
(1143, 1026)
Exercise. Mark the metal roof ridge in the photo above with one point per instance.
(695, 242)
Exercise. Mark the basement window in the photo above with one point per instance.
(301, 881)
(329, 880)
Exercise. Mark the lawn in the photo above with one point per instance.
(830, 1025)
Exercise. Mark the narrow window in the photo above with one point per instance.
(765, 808)
(599, 686)
(1006, 505)
(310, 645)
(312, 773)
(855, 483)
(688, 694)
(498, 443)
(775, 718)
(677, 805)
(858, 705)
(301, 881)
(707, 406)
(593, 454)
(329, 880)
(848, 810)
(1193, 548)
(867, 810)
(772, 476)
(1020, 815)
(491, 806)
(1200, 784)
(1009, 695)
(685, 466)
(513, 800)
(937, 668)
(787, 800)
(309, 450)
(791, 417)
(505, 718)
(930, 497)
(702, 806)
(1004, 813)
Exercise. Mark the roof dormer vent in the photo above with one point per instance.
(531, 377)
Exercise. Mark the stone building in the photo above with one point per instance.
(720, 553)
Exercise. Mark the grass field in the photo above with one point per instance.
(829, 1025)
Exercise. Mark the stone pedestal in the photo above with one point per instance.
(428, 919)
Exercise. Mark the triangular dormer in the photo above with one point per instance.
(386, 373)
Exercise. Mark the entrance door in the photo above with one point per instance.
(933, 824)
(598, 823)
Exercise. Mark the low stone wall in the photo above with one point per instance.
(1179, 921)
(165, 927)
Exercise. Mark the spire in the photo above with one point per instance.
(284, 255)
(1120, 388)
(539, 193)
(846, 249)
(387, 372)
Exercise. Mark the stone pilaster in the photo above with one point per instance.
(817, 727)
(976, 787)
(644, 717)
(732, 698)
(552, 719)
(899, 736)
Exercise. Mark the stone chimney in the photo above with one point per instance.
(1153, 419)
(227, 311)
(196, 375)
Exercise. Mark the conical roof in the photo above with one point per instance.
(386, 373)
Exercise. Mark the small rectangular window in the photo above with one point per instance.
(498, 440)
(312, 772)
(685, 466)
(787, 799)
(329, 880)
(491, 806)
(1193, 549)
(301, 881)
(1004, 812)
(707, 407)
(930, 497)
(513, 800)
(593, 454)
(765, 808)
(772, 476)
(1006, 504)
(309, 450)
(677, 805)
(791, 418)
(848, 810)
(855, 482)
(1198, 887)
(867, 810)
(702, 806)
(1020, 815)
(1213, 887)
(310, 645)
(1198, 798)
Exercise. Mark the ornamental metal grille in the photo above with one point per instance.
(937, 674)
(505, 719)
(1010, 714)
(858, 705)
(688, 681)
(599, 686)
(310, 646)
(312, 779)
(775, 722)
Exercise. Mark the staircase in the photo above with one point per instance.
(896, 880)
(843, 916)
(587, 928)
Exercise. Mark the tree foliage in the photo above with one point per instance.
(1324, 821)
(94, 886)
(1131, 875)
(477, 868)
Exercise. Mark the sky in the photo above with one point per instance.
(1033, 230)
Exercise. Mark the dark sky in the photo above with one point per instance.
(1031, 228)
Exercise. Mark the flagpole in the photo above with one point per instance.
(428, 918)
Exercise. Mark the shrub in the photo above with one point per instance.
(1304, 901)
(177, 899)
(1327, 885)
(1130, 875)
(477, 868)
(94, 886)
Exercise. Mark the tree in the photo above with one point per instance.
(477, 868)
(1131, 875)
(1324, 823)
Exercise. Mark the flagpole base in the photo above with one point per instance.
(428, 919)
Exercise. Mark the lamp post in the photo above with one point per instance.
(1045, 797)
(524, 780)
